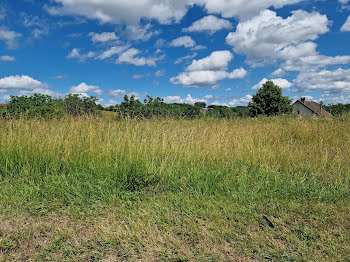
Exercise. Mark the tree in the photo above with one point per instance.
(76, 105)
(200, 105)
(269, 101)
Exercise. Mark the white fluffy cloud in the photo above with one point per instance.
(314, 62)
(185, 41)
(21, 82)
(6, 58)
(199, 78)
(103, 37)
(165, 12)
(282, 83)
(114, 50)
(187, 100)
(83, 89)
(9, 37)
(206, 78)
(130, 57)
(217, 61)
(268, 37)
(326, 80)
(120, 93)
(243, 8)
(278, 73)
(139, 32)
(243, 101)
(121, 11)
(238, 74)
(209, 24)
(75, 54)
(346, 26)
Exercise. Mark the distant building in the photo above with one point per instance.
(3, 105)
(309, 108)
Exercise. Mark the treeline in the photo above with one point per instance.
(44, 106)
(156, 107)
(338, 109)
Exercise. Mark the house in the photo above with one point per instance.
(309, 108)
(3, 105)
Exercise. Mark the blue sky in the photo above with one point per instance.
(218, 51)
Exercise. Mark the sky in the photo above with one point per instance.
(185, 51)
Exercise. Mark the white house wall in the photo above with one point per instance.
(301, 109)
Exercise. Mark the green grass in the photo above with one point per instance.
(95, 189)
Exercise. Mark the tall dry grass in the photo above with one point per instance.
(207, 182)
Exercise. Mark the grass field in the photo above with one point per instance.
(97, 189)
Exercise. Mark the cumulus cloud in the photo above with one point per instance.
(199, 78)
(282, 83)
(139, 32)
(217, 61)
(198, 47)
(209, 24)
(165, 12)
(178, 99)
(238, 74)
(243, 9)
(278, 73)
(21, 82)
(75, 53)
(103, 37)
(331, 81)
(335, 98)
(185, 41)
(130, 57)
(123, 12)
(243, 101)
(9, 37)
(314, 62)
(83, 89)
(346, 26)
(120, 93)
(114, 50)
(268, 37)
(6, 58)
(206, 78)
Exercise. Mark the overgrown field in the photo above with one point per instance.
(98, 189)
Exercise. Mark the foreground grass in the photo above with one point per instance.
(169, 190)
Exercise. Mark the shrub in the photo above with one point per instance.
(76, 105)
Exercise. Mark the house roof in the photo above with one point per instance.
(3, 105)
(314, 107)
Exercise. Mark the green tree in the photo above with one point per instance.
(269, 101)
(36, 106)
(76, 106)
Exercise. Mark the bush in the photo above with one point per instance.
(77, 106)
(44, 106)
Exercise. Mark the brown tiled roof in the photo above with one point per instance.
(3, 105)
(314, 107)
